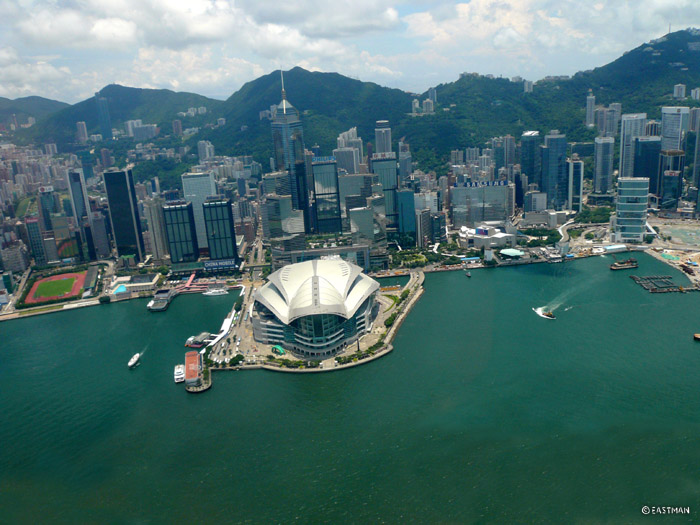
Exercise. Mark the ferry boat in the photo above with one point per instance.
(161, 300)
(198, 341)
(179, 373)
(624, 265)
(546, 315)
(220, 290)
(134, 360)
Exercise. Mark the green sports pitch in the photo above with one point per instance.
(54, 288)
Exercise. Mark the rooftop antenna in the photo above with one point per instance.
(284, 94)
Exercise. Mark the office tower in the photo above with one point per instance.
(382, 137)
(103, 117)
(326, 195)
(279, 218)
(590, 109)
(604, 151)
(535, 201)
(153, 210)
(177, 127)
(362, 222)
(439, 226)
(424, 228)
(405, 161)
(205, 150)
(575, 194)
(80, 204)
(630, 219)
(406, 211)
(694, 120)
(288, 140)
(646, 160)
(530, 159)
(124, 214)
(196, 187)
(154, 186)
(100, 240)
(221, 232)
(81, 135)
(674, 125)
(652, 129)
(479, 202)
(106, 158)
(47, 206)
(348, 159)
(354, 186)
(86, 163)
(671, 166)
(432, 95)
(277, 183)
(36, 241)
(633, 126)
(384, 166)
(679, 91)
(554, 174)
(181, 231)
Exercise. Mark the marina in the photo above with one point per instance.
(661, 284)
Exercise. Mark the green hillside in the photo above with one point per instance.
(152, 106)
(37, 107)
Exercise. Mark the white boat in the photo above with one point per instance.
(134, 360)
(216, 291)
(545, 315)
(179, 373)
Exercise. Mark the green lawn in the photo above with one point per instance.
(51, 288)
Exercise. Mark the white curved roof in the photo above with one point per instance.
(322, 286)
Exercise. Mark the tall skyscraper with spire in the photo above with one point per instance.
(288, 142)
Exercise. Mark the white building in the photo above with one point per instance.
(632, 126)
(674, 123)
(629, 223)
(679, 91)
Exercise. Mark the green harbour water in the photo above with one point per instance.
(484, 412)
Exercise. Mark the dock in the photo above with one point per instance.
(661, 284)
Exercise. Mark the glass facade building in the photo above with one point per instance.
(197, 187)
(385, 168)
(326, 195)
(181, 231)
(631, 209)
(221, 233)
(124, 213)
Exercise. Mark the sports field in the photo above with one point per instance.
(64, 286)
(51, 288)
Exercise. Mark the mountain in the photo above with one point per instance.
(37, 107)
(470, 110)
(152, 106)
(329, 103)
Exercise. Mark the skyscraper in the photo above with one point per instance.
(181, 231)
(103, 117)
(382, 137)
(153, 210)
(405, 161)
(633, 125)
(288, 141)
(575, 193)
(81, 135)
(554, 174)
(530, 159)
(47, 206)
(348, 159)
(674, 125)
(326, 195)
(604, 151)
(630, 219)
(221, 232)
(79, 198)
(646, 160)
(384, 166)
(671, 166)
(124, 213)
(196, 187)
(36, 241)
(406, 211)
(590, 109)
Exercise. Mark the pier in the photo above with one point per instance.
(661, 284)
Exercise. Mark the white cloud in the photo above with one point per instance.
(23, 78)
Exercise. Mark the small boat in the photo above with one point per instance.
(468, 274)
(546, 315)
(624, 265)
(134, 360)
(696, 337)
(179, 373)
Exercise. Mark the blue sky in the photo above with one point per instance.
(68, 49)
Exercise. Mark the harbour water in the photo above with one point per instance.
(484, 412)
